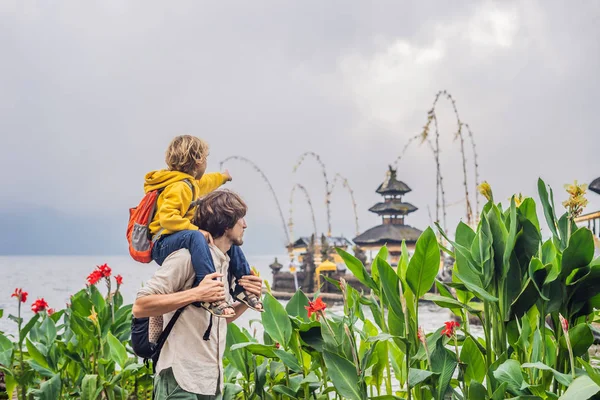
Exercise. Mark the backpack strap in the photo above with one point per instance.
(164, 335)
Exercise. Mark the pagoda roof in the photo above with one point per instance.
(595, 185)
(388, 233)
(393, 206)
(391, 185)
(335, 241)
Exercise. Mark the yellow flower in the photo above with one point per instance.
(93, 316)
(486, 190)
(576, 201)
(575, 189)
(519, 199)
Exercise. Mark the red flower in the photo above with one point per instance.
(105, 269)
(119, 280)
(277, 345)
(421, 335)
(94, 277)
(20, 295)
(39, 305)
(450, 327)
(315, 306)
(564, 323)
(50, 311)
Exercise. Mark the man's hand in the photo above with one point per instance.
(252, 284)
(227, 176)
(209, 289)
(207, 236)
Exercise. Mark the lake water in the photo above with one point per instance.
(56, 278)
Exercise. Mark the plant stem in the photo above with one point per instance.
(408, 392)
(488, 346)
(388, 383)
(20, 347)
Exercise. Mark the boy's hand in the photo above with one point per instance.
(207, 236)
(227, 176)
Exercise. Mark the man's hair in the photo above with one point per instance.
(218, 211)
(185, 152)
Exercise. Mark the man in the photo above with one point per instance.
(190, 366)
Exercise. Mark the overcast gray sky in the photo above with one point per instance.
(92, 92)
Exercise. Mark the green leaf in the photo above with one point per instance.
(528, 210)
(464, 235)
(357, 268)
(25, 330)
(390, 283)
(49, 390)
(6, 350)
(89, 388)
(581, 338)
(285, 391)
(500, 392)
(230, 391)
(582, 388)
(477, 391)
(471, 355)
(548, 207)
(36, 354)
(295, 307)
(117, 351)
(510, 373)
(416, 376)
(256, 348)
(443, 362)
(403, 262)
(289, 360)
(447, 302)
(424, 264)
(579, 253)
(343, 374)
(276, 321)
(382, 255)
(239, 358)
(561, 378)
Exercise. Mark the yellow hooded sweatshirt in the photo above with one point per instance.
(175, 199)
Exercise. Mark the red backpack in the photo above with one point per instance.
(138, 229)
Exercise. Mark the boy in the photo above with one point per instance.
(172, 228)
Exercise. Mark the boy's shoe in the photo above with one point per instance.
(250, 300)
(217, 308)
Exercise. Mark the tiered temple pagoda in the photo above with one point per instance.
(393, 229)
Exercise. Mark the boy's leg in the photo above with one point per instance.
(238, 266)
(195, 242)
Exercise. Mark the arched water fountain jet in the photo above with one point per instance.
(347, 186)
(312, 211)
(327, 186)
(257, 169)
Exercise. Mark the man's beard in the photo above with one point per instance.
(237, 241)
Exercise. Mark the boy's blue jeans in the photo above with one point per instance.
(202, 260)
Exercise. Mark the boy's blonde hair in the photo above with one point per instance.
(185, 152)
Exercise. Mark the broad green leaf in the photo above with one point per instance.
(25, 330)
(343, 374)
(403, 262)
(579, 253)
(289, 360)
(512, 232)
(582, 388)
(510, 373)
(464, 235)
(581, 338)
(231, 390)
(416, 376)
(477, 391)
(500, 392)
(117, 351)
(477, 290)
(561, 378)
(276, 321)
(296, 306)
(443, 363)
(285, 391)
(424, 264)
(36, 354)
(471, 355)
(89, 388)
(382, 255)
(528, 210)
(357, 268)
(390, 283)
(6, 350)
(49, 390)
